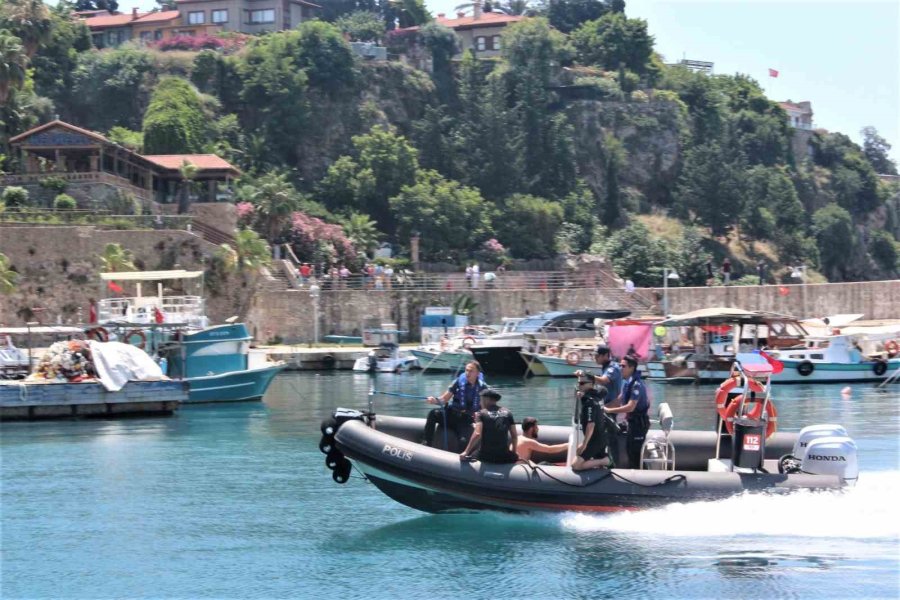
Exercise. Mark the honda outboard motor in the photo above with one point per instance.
(823, 450)
(373, 361)
(832, 456)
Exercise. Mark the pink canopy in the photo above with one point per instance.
(622, 337)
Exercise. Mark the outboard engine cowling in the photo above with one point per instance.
(808, 434)
(834, 455)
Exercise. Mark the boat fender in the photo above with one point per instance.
(98, 333)
(728, 385)
(572, 358)
(329, 426)
(755, 413)
(334, 458)
(806, 368)
(341, 474)
(892, 347)
(328, 361)
(326, 444)
(879, 368)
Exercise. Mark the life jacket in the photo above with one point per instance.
(473, 405)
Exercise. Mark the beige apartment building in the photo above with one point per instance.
(246, 16)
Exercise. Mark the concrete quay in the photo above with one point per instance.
(317, 358)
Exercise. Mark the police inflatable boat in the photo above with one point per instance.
(743, 454)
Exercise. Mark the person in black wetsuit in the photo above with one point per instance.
(458, 405)
(593, 452)
(635, 404)
(495, 428)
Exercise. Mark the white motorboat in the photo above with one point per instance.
(451, 353)
(386, 358)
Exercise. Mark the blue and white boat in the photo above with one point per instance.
(216, 361)
(218, 364)
(833, 359)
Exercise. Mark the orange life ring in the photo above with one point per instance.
(468, 341)
(572, 358)
(755, 413)
(137, 332)
(97, 333)
(728, 385)
(892, 347)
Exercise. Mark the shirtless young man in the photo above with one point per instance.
(528, 443)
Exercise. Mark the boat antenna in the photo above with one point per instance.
(372, 399)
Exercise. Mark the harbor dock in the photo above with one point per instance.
(317, 358)
(20, 400)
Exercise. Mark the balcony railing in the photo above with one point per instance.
(78, 177)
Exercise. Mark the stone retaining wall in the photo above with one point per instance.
(290, 314)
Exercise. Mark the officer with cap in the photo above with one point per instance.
(610, 377)
(495, 428)
(593, 452)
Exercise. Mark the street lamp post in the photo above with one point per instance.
(799, 272)
(667, 275)
(314, 293)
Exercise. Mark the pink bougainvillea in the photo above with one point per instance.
(315, 240)
(244, 209)
(226, 42)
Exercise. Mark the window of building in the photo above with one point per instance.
(266, 15)
(196, 17)
(496, 42)
(146, 36)
(157, 35)
(114, 38)
(220, 16)
(481, 43)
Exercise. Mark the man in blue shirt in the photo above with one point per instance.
(610, 377)
(458, 405)
(635, 403)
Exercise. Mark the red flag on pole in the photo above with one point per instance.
(115, 287)
(773, 73)
(777, 365)
(158, 315)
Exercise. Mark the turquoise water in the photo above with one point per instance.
(234, 501)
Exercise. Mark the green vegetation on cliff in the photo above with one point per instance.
(563, 144)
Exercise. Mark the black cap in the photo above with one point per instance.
(602, 349)
(490, 393)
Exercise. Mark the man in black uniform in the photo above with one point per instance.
(495, 427)
(635, 403)
(593, 452)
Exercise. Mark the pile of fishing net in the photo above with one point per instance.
(65, 361)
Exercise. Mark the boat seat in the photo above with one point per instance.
(453, 444)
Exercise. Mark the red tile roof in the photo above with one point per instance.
(165, 15)
(201, 161)
(488, 19)
(103, 21)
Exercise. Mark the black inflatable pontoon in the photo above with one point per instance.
(386, 450)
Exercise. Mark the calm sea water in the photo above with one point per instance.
(234, 501)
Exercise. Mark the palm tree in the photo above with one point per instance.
(246, 257)
(188, 171)
(274, 199)
(116, 259)
(361, 230)
(13, 63)
(8, 277)
(28, 19)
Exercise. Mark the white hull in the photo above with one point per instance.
(834, 372)
(448, 360)
(546, 365)
(390, 365)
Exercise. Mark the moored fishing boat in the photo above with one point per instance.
(743, 454)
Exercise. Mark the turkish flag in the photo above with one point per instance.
(115, 287)
(773, 73)
(777, 365)
(158, 315)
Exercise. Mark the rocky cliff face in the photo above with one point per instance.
(651, 134)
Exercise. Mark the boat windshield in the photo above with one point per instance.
(530, 325)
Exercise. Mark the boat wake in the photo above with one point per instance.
(866, 511)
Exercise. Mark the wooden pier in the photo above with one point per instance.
(21, 400)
